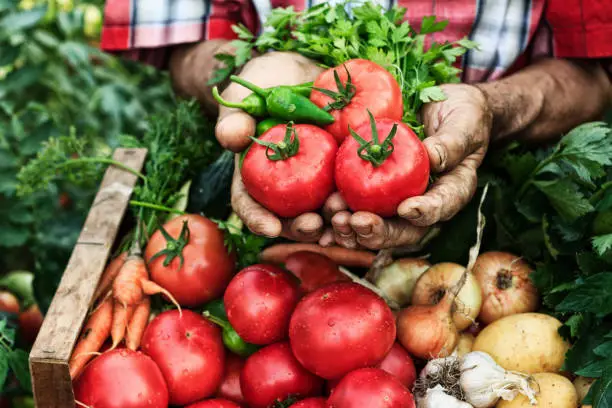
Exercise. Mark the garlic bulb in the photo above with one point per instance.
(485, 382)
(436, 397)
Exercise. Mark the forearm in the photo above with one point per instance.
(191, 66)
(547, 99)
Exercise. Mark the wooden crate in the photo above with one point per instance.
(50, 354)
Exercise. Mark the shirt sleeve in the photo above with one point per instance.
(147, 30)
(581, 29)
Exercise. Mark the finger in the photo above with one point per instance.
(257, 219)
(374, 232)
(233, 130)
(334, 204)
(327, 238)
(446, 197)
(343, 233)
(305, 228)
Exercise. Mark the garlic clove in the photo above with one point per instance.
(437, 397)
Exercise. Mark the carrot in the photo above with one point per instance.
(94, 334)
(109, 275)
(137, 325)
(342, 256)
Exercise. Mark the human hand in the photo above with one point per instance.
(458, 131)
(234, 127)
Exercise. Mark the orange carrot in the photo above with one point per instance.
(342, 256)
(95, 332)
(138, 324)
(109, 275)
(121, 316)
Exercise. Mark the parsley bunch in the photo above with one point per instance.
(334, 34)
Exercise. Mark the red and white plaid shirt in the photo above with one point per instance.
(510, 32)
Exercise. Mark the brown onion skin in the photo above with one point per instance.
(428, 331)
(505, 285)
(398, 280)
(438, 279)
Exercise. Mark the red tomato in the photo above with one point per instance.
(214, 403)
(259, 302)
(8, 302)
(316, 402)
(122, 379)
(372, 388)
(341, 327)
(380, 185)
(399, 364)
(375, 89)
(189, 351)
(297, 184)
(230, 385)
(207, 266)
(313, 270)
(30, 321)
(273, 374)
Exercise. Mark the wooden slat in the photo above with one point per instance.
(51, 351)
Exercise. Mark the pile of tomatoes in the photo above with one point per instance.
(314, 337)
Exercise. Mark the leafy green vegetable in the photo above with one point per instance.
(332, 35)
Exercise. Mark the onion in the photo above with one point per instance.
(436, 281)
(464, 345)
(398, 279)
(505, 284)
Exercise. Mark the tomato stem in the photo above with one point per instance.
(374, 151)
(288, 147)
(174, 247)
(343, 96)
(214, 319)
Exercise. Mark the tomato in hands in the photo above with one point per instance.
(314, 270)
(259, 302)
(273, 374)
(372, 388)
(341, 327)
(122, 379)
(188, 258)
(290, 170)
(383, 164)
(349, 90)
(189, 352)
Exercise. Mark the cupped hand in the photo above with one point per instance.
(458, 131)
(234, 127)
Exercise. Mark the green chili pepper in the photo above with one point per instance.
(231, 339)
(283, 103)
(216, 308)
(254, 105)
(304, 89)
(266, 124)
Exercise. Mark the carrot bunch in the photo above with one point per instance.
(123, 312)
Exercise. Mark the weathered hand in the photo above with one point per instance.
(234, 128)
(458, 131)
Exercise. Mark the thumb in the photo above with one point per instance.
(234, 128)
(452, 142)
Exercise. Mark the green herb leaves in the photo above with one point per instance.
(12, 359)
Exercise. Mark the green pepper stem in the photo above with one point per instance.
(219, 322)
(259, 91)
(288, 147)
(374, 151)
(224, 102)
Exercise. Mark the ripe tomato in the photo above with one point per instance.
(214, 403)
(371, 87)
(189, 352)
(230, 385)
(8, 302)
(379, 176)
(207, 266)
(314, 270)
(315, 402)
(30, 321)
(341, 327)
(273, 374)
(295, 174)
(122, 379)
(399, 364)
(259, 302)
(372, 388)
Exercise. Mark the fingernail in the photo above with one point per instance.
(441, 157)
(364, 231)
(411, 214)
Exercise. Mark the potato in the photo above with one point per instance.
(525, 342)
(582, 385)
(555, 391)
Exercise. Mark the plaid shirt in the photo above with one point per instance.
(511, 32)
